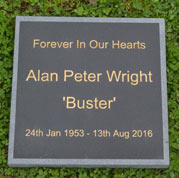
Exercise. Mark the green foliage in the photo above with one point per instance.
(167, 9)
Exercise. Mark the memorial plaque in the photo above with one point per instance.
(89, 92)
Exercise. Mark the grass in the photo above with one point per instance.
(167, 9)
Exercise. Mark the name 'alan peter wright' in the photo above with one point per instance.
(112, 76)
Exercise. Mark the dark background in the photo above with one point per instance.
(39, 104)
